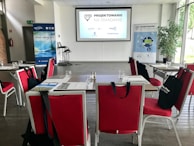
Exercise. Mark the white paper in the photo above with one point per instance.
(138, 79)
(72, 86)
(77, 85)
(45, 86)
(60, 80)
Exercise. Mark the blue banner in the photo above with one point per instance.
(44, 42)
(145, 42)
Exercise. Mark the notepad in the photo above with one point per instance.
(138, 79)
(72, 86)
(45, 86)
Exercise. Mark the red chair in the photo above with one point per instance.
(133, 66)
(152, 110)
(191, 91)
(119, 115)
(135, 70)
(35, 109)
(50, 68)
(7, 89)
(23, 81)
(69, 116)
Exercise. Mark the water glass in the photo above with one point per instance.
(20, 61)
(93, 75)
(15, 64)
(168, 63)
(121, 74)
(1, 63)
(68, 73)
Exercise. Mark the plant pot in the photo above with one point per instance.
(165, 60)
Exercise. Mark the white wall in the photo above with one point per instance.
(44, 13)
(64, 19)
(17, 13)
(103, 51)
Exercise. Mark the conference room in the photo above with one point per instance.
(96, 38)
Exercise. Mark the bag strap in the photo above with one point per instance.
(46, 107)
(127, 88)
(27, 69)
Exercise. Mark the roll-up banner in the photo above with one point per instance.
(44, 42)
(145, 42)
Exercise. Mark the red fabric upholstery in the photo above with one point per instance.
(191, 67)
(67, 115)
(155, 82)
(119, 115)
(7, 86)
(191, 92)
(133, 66)
(23, 78)
(37, 113)
(151, 108)
(51, 66)
(186, 78)
(7, 89)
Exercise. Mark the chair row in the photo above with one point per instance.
(117, 112)
(139, 68)
(23, 77)
(7, 89)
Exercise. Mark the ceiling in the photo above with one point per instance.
(112, 2)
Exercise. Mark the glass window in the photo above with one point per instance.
(182, 3)
(181, 14)
(189, 47)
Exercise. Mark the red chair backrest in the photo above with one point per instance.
(68, 111)
(23, 78)
(51, 67)
(35, 109)
(186, 78)
(133, 66)
(191, 67)
(119, 115)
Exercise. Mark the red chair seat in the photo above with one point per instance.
(151, 108)
(155, 82)
(7, 86)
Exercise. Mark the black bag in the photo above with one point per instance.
(127, 89)
(44, 73)
(1, 83)
(169, 92)
(36, 139)
(32, 81)
(142, 70)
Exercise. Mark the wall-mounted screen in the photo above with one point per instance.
(103, 24)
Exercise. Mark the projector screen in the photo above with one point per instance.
(103, 24)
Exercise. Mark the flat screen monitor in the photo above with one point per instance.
(103, 24)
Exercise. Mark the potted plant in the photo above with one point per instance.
(168, 37)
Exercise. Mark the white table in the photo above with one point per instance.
(82, 82)
(164, 70)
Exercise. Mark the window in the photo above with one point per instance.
(189, 47)
(185, 50)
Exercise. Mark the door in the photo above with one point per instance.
(29, 43)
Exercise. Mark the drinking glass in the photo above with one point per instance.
(1, 63)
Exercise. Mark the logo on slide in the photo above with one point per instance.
(87, 16)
